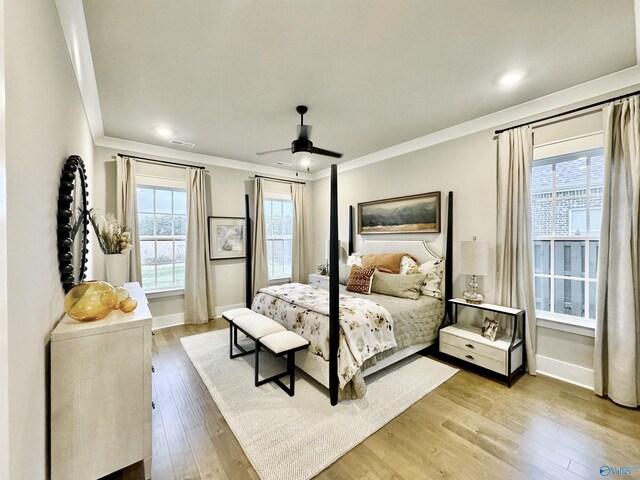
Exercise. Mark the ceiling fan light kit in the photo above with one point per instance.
(302, 147)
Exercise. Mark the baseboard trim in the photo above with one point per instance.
(567, 372)
(165, 321)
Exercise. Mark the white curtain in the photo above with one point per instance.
(127, 211)
(198, 287)
(514, 241)
(259, 267)
(617, 344)
(299, 270)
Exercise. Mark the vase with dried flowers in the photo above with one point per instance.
(115, 242)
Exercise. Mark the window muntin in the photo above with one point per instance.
(162, 224)
(278, 215)
(566, 215)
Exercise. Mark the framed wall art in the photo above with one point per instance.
(226, 237)
(410, 214)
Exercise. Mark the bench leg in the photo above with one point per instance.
(233, 341)
(291, 371)
(256, 368)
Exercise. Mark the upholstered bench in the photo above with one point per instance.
(280, 344)
(254, 326)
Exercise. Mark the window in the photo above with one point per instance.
(566, 205)
(278, 216)
(162, 222)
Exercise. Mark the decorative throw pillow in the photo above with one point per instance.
(354, 260)
(396, 285)
(360, 279)
(343, 273)
(407, 263)
(434, 271)
(385, 262)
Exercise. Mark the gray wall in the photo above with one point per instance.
(45, 123)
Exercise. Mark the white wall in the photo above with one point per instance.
(45, 122)
(466, 166)
(227, 188)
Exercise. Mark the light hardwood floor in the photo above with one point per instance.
(468, 428)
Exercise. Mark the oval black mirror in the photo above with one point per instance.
(73, 223)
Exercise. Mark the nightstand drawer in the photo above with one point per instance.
(473, 346)
(499, 366)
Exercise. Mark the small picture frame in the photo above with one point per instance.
(226, 238)
(490, 329)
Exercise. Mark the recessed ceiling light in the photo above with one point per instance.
(511, 78)
(164, 132)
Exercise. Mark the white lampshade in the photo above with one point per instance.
(303, 158)
(474, 257)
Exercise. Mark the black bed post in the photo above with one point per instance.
(334, 292)
(247, 222)
(351, 249)
(448, 266)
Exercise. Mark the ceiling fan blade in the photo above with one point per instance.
(274, 151)
(304, 132)
(328, 153)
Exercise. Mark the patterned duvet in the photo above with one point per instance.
(372, 326)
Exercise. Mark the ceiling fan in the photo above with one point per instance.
(302, 147)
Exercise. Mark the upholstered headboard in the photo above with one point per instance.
(418, 249)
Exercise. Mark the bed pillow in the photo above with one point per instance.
(385, 262)
(434, 271)
(360, 279)
(354, 260)
(407, 264)
(396, 285)
(343, 273)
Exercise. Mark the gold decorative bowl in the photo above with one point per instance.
(90, 301)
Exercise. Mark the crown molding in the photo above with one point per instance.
(134, 148)
(627, 79)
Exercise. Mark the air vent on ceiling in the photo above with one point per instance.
(182, 144)
(284, 164)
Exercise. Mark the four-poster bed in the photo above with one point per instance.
(415, 322)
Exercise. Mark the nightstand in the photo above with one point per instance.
(320, 281)
(505, 355)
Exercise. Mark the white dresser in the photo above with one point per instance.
(101, 393)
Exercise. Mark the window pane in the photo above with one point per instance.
(163, 201)
(542, 256)
(165, 251)
(594, 247)
(163, 225)
(165, 275)
(147, 252)
(596, 174)
(179, 274)
(568, 297)
(179, 202)
(145, 224)
(569, 258)
(595, 216)
(148, 276)
(578, 221)
(592, 300)
(179, 225)
(543, 293)
(571, 177)
(181, 246)
(145, 199)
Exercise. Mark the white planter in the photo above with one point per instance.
(117, 268)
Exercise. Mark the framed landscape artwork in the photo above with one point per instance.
(226, 237)
(411, 214)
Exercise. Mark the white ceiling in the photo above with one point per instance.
(227, 74)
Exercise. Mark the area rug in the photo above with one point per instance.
(296, 438)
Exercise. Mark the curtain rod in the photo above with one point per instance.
(279, 179)
(575, 110)
(161, 162)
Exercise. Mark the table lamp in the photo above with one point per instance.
(474, 260)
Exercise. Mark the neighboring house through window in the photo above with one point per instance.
(162, 220)
(567, 211)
